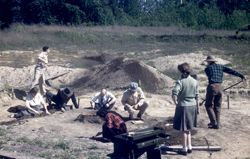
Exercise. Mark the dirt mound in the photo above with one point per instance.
(117, 74)
(22, 77)
(169, 64)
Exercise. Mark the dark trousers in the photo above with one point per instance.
(59, 101)
(213, 102)
(99, 106)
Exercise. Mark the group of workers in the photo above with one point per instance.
(184, 95)
(133, 100)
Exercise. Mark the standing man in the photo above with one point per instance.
(133, 99)
(39, 76)
(213, 101)
(104, 99)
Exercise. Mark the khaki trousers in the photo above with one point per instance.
(141, 109)
(39, 79)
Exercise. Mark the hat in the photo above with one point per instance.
(210, 59)
(68, 92)
(133, 86)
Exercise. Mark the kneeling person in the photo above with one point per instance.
(62, 97)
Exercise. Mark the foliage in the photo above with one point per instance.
(192, 13)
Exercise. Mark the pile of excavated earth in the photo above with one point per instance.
(156, 76)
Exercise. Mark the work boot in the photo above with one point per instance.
(139, 116)
(131, 116)
(214, 126)
(209, 124)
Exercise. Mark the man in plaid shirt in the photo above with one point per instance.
(213, 102)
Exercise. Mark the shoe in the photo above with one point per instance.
(209, 124)
(182, 152)
(214, 127)
(63, 110)
(139, 117)
(11, 116)
(189, 151)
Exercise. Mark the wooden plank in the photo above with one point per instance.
(197, 148)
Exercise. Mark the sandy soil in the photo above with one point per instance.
(59, 136)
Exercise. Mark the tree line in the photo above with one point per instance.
(218, 14)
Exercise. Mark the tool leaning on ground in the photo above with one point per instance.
(55, 77)
(223, 90)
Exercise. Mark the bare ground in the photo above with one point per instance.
(59, 136)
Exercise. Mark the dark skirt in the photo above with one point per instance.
(185, 118)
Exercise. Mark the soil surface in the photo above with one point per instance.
(61, 136)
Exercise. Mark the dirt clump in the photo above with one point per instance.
(117, 73)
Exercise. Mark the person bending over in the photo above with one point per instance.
(61, 98)
(214, 90)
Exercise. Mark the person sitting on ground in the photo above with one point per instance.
(133, 99)
(61, 98)
(185, 97)
(113, 124)
(35, 102)
(102, 99)
(35, 105)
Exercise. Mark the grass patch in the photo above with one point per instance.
(47, 155)
(93, 157)
(93, 147)
(128, 41)
(3, 132)
(62, 145)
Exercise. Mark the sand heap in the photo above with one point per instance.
(118, 73)
(21, 78)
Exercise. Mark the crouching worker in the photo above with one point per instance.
(61, 98)
(35, 105)
(103, 99)
(113, 124)
(133, 99)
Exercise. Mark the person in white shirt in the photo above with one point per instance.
(103, 98)
(35, 105)
(41, 66)
(35, 102)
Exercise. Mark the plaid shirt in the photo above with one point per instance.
(215, 73)
(113, 120)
